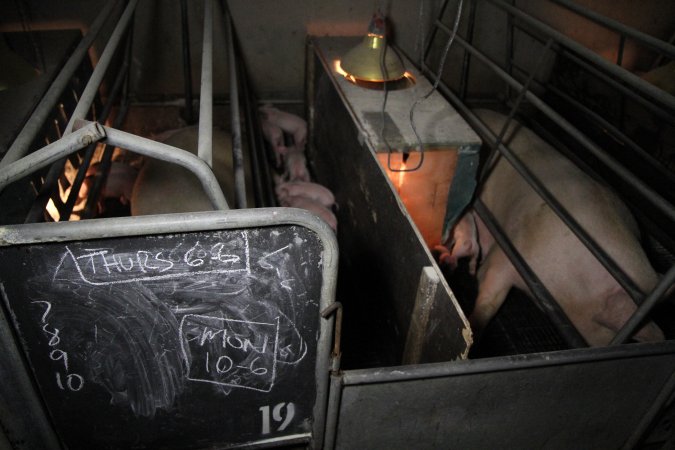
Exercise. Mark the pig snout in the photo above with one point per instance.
(314, 207)
(289, 123)
(464, 244)
(309, 190)
(590, 297)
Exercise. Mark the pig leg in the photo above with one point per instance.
(617, 310)
(495, 279)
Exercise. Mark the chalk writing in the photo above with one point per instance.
(104, 266)
(229, 352)
(276, 416)
(74, 381)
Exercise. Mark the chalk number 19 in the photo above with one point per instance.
(288, 410)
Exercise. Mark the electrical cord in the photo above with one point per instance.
(419, 100)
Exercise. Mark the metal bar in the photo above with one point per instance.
(205, 141)
(23, 141)
(82, 108)
(645, 39)
(335, 395)
(91, 90)
(174, 155)
(466, 57)
(263, 195)
(592, 355)
(657, 405)
(52, 152)
(187, 69)
(433, 32)
(659, 202)
(549, 304)
(656, 109)
(632, 80)
(237, 154)
(630, 287)
(89, 153)
(617, 134)
(645, 308)
(101, 176)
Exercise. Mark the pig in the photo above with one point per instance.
(314, 207)
(119, 182)
(163, 187)
(591, 298)
(312, 191)
(295, 165)
(275, 137)
(289, 123)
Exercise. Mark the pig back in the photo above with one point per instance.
(163, 187)
(567, 268)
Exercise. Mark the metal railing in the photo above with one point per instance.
(637, 88)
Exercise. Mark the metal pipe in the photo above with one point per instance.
(550, 305)
(645, 39)
(645, 308)
(263, 194)
(52, 152)
(89, 153)
(23, 141)
(506, 363)
(466, 57)
(187, 69)
(659, 202)
(634, 81)
(648, 418)
(90, 91)
(82, 108)
(174, 155)
(101, 176)
(656, 109)
(237, 154)
(205, 141)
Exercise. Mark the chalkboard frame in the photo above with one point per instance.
(34, 424)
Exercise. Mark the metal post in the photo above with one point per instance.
(645, 39)
(83, 106)
(632, 80)
(90, 91)
(658, 201)
(644, 309)
(205, 141)
(52, 152)
(187, 68)
(21, 144)
(237, 154)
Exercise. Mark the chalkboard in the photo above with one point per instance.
(184, 340)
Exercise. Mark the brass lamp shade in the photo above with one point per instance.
(364, 62)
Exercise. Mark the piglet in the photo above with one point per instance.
(314, 207)
(296, 165)
(289, 123)
(275, 137)
(313, 191)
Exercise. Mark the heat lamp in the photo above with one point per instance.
(373, 60)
